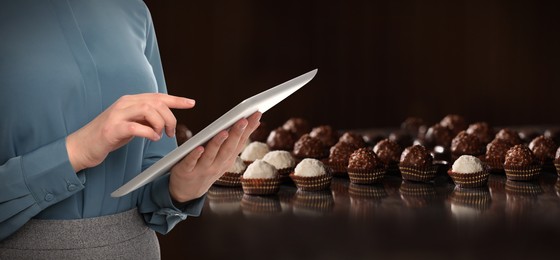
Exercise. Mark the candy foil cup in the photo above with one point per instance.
(230, 179)
(470, 180)
(260, 186)
(528, 173)
(418, 174)
(360, 176)
(557, 165)
(314, 183)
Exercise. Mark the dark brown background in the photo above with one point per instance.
(379, 61)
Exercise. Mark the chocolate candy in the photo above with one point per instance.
(496, 150)
(455, 123)
(340, 153)
(281, 139)
(519, 156)
(353, 139)
(182, 133)
(363, 159)
(387, 151)
(509, 136)
(403, 138)
(543, 147)
(298, 126)
(415, 126)
(416, 156)
(438, 135)
(482, 130)
(326, 134)
(260, 134)
(466, 144)
(309, 147)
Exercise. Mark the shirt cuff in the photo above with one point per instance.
(162, 197)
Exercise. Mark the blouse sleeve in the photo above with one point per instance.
(34, 181)
(155, 203)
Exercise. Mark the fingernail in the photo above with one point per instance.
(243, 124)
(156, 136)
(224, 136)
(190, 101)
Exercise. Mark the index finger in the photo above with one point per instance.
(169, 100)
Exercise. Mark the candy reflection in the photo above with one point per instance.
(468, 203)
(364, 199)
(224, 201)
(260, 205)
(417, 194)
(521, 197)
(313, 203)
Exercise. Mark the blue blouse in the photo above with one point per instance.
(62, 62)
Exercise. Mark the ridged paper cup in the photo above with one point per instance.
(260, 186)
(527, 173)
(368, 192)
(470, 180)
(260, 206)
(417, 194)
(313, 183)
(477, 198)
(529, 188)
(360, 176)
(418, 174)
(318, 201)
(230, 179)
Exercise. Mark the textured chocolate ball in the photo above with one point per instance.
(509, 136)
(326, 134)
(543, 147)
(298, 126)
(482, 130)
(260, 134)
(416, 156)
(403, 138)
(353, 139)
(553, 133)
(414, 126)
(455, 123)
(364, 159)
(340, 153)
(496, 150)
(466, 144)
(438, 135)
(387, 151)
(182, 133)
(519, 156)
(309, 147)
(281, 139)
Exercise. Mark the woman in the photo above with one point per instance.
(84, 110)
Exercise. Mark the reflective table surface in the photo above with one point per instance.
(394, 219)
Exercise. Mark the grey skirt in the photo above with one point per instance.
(119, 236)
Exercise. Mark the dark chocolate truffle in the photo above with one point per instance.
(298, 126)
(363, 159)
(309, 147)
(482, 130)
(354, 139)
(415, 126)
(455, 123)
(387, 151)
(281, 139)
(182, 133)
(438, 135)
(261, 133)
(416, 156)
(403, 138)
(509, 136)
(496, 150)
(466, 144)
(543, 148)
(519, 156)
(553, 133)
(340, 153)
(326, 134)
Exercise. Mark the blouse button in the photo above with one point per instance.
(49, 197)
(72, 187)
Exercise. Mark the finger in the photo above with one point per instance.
(253, 123)
(169, 100)
(228, 148)
(169, 119)
(147, 115)
(188, 163)
(128, 129)
(212, 149)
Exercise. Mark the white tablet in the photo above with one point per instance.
(260, 102)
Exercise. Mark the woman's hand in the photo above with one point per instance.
(193, 176)
(142, 115)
